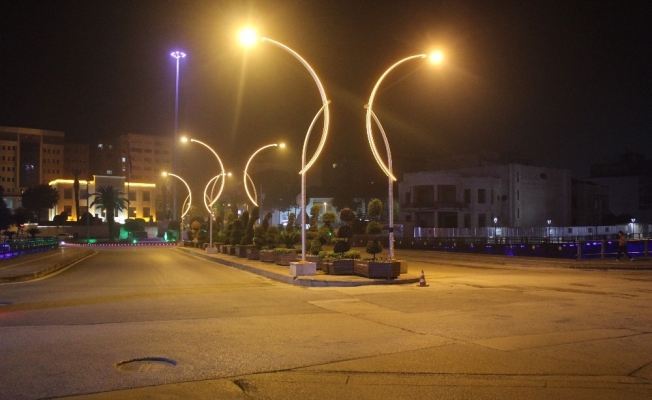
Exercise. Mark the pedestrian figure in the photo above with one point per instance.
(622, 246)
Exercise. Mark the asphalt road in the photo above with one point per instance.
(197, 329)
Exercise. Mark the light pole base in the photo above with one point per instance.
(303, 268)
(211, 250)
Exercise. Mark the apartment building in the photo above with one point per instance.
(28, 157)
(515, 195)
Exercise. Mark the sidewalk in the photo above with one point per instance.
(32, 266)
(282, 273)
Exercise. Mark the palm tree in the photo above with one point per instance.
(75, 186)
(110, 199)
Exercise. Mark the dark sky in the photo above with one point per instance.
(559, 83)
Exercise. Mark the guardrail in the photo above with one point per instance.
(526, 247)
(16, 247)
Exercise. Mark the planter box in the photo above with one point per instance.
(298, 268)
(338, 267)
(241, 251)
(314, 259)
(231, 250)
(377, 270)
(253, 254)
(267, 256)
(224, 249)
(286, 259)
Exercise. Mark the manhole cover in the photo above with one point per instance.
(148, 364)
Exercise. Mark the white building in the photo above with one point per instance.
(511, 195)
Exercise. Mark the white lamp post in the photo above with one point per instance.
(177, 55)
(549, 222)
(387, 168)
(249, 37)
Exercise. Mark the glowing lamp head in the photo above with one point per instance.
(248, 37)
(164, 173)
(228, 174)
(281, 145)
(436, 57)
(178, 54)
(184, 139)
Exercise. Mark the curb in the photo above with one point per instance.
(299, 281)
(49, 270)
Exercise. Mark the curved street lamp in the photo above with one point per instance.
(247, 178)
(248, 37)
(212, 199)
(188, 202)
(387, 168)
(219, 161)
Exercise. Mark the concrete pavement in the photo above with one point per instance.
(38, 265)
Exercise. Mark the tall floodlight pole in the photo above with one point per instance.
(247, 178)
(248, 37)
(177, 55)
(387, 168)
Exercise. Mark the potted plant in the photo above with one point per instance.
(267, 254)
(244, 240)
(285, 256)
(373, 268)
(339, 263)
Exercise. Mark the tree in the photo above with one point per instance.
(33, 232)
(75, 186)
(374, 228)
(111, 200)
(38, 198)
(6, 219)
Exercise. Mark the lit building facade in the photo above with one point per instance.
(142, 197)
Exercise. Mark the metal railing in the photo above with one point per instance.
(15, 247)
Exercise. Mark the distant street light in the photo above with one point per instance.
(209, 201)
(248, 37)
(387, 168)
(188, 202)
(495, 221)
(177, 55)
(248, 179)
(549, 222)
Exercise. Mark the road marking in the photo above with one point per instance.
(510, 343)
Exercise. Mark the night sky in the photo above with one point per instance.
(557, 83)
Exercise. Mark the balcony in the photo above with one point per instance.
(434, 205)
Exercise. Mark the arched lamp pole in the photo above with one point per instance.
(387, 168)
(247, 178)
(188, 202)
(212, 199)
(248, 37)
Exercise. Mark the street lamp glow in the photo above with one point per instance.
(248, 179)
(184, 139)
(248, 37)
(436, 57)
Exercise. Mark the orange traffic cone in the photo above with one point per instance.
(422, 281)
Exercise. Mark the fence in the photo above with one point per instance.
(513, 246)
(16, 247)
